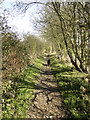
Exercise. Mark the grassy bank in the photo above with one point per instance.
(74, 88)
(18, 93)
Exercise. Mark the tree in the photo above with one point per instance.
(74, 24)
(33, 45)
(70, 34)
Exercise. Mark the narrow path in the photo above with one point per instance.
(47, 102)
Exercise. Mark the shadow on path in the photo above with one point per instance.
(47, 102)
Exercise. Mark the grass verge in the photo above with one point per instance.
(18, 92)
(74, 89)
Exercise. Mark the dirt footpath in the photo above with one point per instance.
(47, 102)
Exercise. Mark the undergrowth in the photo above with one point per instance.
(18, 92)
(74, 89)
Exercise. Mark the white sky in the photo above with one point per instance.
(21, 23)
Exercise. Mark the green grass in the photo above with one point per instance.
(18, 93)
(73, 89)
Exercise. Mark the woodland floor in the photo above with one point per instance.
(47, 102)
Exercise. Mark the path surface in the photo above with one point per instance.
(47, 102)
